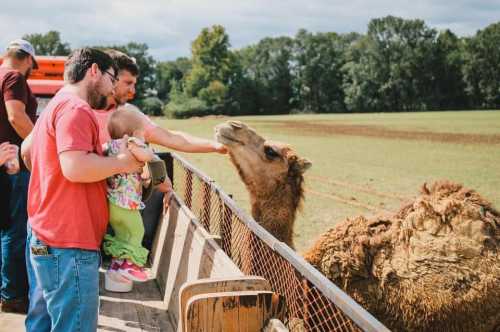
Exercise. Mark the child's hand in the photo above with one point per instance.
(130, 164)
(143, 154)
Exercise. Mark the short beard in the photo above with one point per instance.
(97, 100)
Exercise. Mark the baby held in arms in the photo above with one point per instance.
(125, 197)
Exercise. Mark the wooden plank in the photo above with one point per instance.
(230, 317)
(159, 241)
(228, 311)
(217, 285)
(188, 253)
(140, 310)
(215, 305)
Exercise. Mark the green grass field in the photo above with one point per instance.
(364, 163)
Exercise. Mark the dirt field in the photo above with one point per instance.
(332, 129)
(367, 163)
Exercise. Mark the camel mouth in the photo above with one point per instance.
(225, 139)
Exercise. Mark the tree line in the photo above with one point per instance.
(398, 65)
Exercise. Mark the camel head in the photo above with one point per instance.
(259, 161)
(272, 173)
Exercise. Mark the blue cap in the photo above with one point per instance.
(25, 46)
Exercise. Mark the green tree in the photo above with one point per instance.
(318, 77)
(213, 64)
(360, 82)
(392, 67)
(243, 97)
(169, 72)
(449, 90)
(269, 65)
(482, 67)
(48, 44)
(183, 106)
(152, 106)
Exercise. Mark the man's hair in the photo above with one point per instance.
(123, 62)
(13, 53)
(80, 60)
(124, 121)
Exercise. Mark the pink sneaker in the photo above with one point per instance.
(132, 272)
(114, 281)
(115, 264)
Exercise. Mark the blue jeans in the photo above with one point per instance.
(14, 282)
(64, 289)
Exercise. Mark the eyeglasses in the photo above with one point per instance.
(113, 77)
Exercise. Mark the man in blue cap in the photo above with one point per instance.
(17, 116)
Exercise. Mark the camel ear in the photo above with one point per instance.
(304, 164)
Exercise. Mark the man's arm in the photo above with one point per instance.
(181, 141)
(19, 120)
(178, 140)
(85, 167)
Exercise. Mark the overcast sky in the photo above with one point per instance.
(169, 26)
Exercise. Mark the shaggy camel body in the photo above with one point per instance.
(433, 266)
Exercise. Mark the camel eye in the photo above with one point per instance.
(270, 153)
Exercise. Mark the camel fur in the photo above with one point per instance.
(433, 266)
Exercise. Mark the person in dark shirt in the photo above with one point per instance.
(17, 117)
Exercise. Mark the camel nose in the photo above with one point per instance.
(236, 124)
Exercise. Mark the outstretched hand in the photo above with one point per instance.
(220, 148)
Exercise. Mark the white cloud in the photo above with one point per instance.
(169, 26)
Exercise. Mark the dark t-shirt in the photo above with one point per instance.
(13, 86)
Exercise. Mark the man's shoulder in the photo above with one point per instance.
(11, 75)
(69, 109)
(68, 102)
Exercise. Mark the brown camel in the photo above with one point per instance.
(272, 173)
(433, 266)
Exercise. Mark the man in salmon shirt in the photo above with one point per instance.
(67, 206)
(127, 74)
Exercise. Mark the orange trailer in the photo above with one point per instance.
(47, 79)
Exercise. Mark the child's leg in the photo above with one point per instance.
(129, 231)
